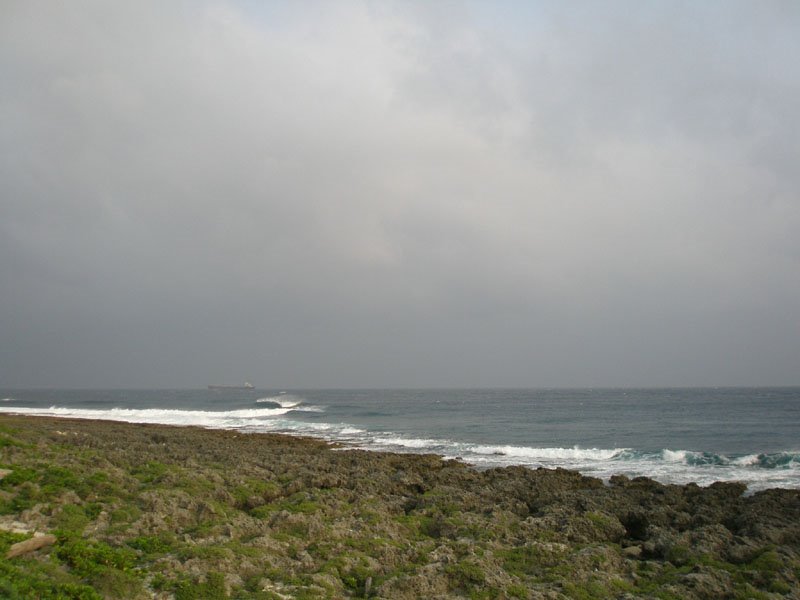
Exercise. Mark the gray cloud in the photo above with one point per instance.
(380, 194)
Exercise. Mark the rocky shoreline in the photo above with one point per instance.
(146, 511)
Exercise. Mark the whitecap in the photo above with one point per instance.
(677, 456)
(351, 431)
(285, 400)
(751, 460)
(418, 443)
(549, 454)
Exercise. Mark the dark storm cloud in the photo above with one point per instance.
(399, 194)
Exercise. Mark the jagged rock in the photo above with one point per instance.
(12, 526)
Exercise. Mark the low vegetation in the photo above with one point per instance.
(159, 512)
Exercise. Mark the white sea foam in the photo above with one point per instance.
(746, 461)
(418, 443)
(203, 418)
(677, 456)
(351, 431)
(281, 400)
(7, 400)
(288, 401)
(574, 453)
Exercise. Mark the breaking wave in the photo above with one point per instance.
(290, 402)
(775, 460)
(230, 419)
(283, 400)
(575, 453)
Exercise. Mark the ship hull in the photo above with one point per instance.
(231, 387)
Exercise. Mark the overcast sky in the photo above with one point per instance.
(399, 194)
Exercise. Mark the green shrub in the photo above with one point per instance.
(8, 441)
(590, 590)
(27, 494)
(24, 579)
(153, 544)
(465, 574)
(7, 539)
(113, 583)
(89, 558)
(17, 476)
(263, 512)
(530, 559)
(679, 555)
(213, 588)
(151, 472)
(767, 563)
(125, 514)
(57, 479)
(71, 518)
(517, 591)
(20, 585)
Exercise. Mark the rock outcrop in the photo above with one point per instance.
(156, 511)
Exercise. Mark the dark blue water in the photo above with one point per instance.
(673, 435)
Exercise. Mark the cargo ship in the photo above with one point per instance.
(247, 386)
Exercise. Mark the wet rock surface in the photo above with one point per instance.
(161, 512)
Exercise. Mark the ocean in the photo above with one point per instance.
(672, 435)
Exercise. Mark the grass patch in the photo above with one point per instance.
(25, 583)
(71, 519)
(465, 574)
(531, 559)
(213, 588)
(154, 545)
(55, 480)
(91, 558)
(150, 473)
(23, 578)
(125, 514)
(17, 476)
(6, 441)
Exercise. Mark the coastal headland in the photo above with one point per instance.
(149, 511)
